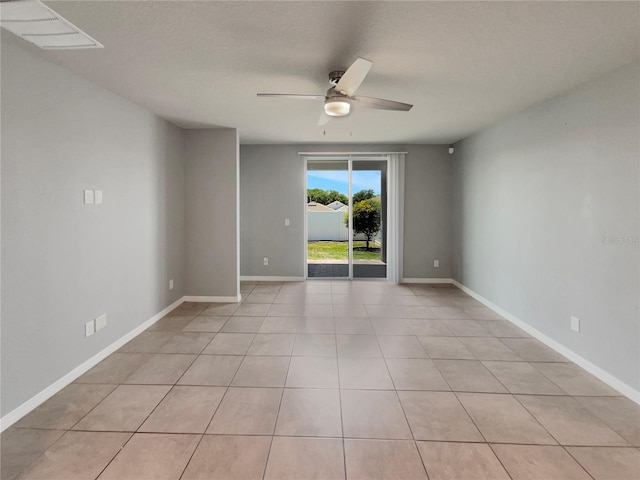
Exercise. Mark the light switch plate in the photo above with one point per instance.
(101, 322)
(88, 197)
(97, 197)
(575, 324)
(286, 222)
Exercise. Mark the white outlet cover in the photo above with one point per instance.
(97, 197)
(88, 197)
(89, 328)
(101, 322)
(436, 263)
(171, 284)
(265, 261)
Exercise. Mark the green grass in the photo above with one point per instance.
(339, 251)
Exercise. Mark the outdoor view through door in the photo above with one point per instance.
(346, 218)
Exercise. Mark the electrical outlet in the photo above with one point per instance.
(89, 328)
(88, 197)
(286, 222)
(575, 324)
(97, 197)
(265, 261)
(436, 263)
(171, 284)
(101, 322)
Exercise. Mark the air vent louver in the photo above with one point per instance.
(38, 24)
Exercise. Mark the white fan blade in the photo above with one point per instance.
(380, 103)
(292, 95)
(354, 76)
(324, 119)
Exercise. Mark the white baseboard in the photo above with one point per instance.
(19, 412)
(209, 299)
(249, 278)
(615, 383)
(426, 280)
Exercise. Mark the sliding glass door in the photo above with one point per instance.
(327, 206)
(346, 208)
(369, 211)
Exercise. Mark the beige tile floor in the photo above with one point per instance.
(324, 380)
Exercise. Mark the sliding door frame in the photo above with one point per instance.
(391, 190)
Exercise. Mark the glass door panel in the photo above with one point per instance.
(327, 219)
(369, 200)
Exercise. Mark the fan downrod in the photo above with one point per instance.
(334, 77)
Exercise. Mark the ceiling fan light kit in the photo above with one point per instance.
(337, 106)
(340, 97)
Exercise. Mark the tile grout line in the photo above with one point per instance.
(578, 462)
(486, 442)
(406, 419)
(536, 419)
(204, 432)
(116, 454)
(344, 447)
(275, 423)
(495, 454)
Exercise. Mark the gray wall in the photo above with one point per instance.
(427, 210)
(63, 262)
(211, 212)
(536, 199)
(272, 189)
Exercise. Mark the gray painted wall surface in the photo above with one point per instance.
(536, 195)
(211, 212)
(272, 189)
(63, 262)
(427, 210)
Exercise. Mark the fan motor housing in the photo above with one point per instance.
(334, 77)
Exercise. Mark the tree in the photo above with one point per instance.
(325, 197)
(317, 195)
(366, 218)
(362, 195)
(333, 195)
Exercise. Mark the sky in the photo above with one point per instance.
(338, 180)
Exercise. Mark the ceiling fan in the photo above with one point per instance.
(340, 97)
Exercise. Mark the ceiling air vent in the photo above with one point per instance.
(38, 24)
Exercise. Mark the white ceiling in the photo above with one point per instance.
(463, 65)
